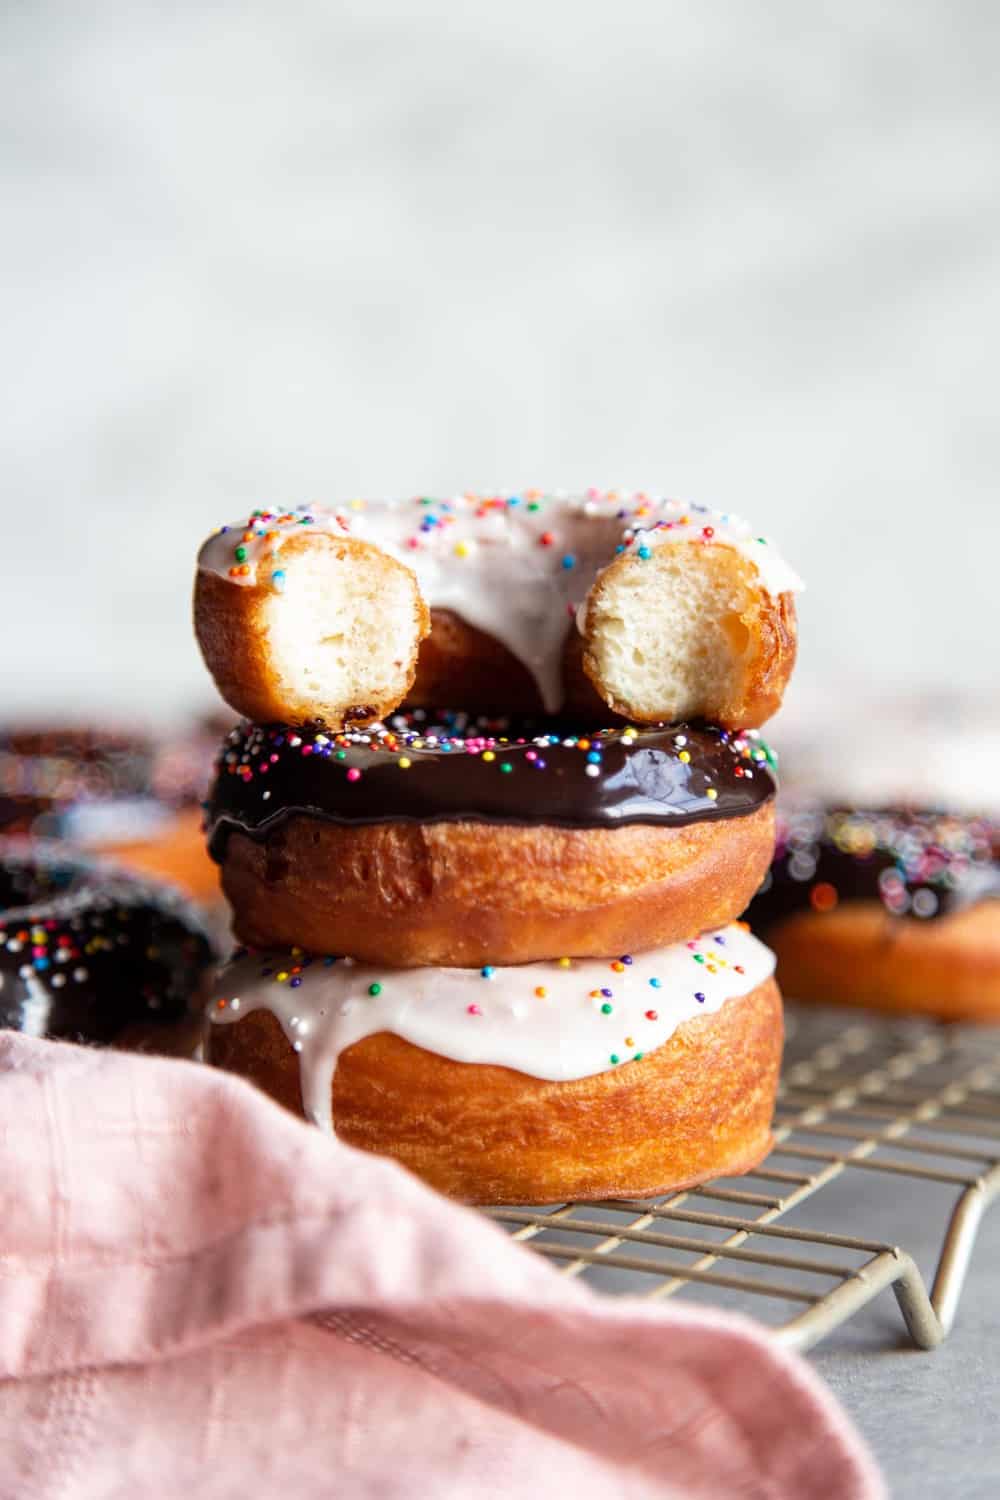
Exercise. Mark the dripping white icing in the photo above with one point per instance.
(515, 566)
(544, 1019)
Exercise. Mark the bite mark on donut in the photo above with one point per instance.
(688, 633)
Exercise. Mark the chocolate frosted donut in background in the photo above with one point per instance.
(90, 954)
(474, 842)
(891, 908)
(920, 863)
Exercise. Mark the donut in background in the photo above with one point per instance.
(894, 909)
(90, 953)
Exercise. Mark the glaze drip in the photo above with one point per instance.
(558, 1020)
(490, 771)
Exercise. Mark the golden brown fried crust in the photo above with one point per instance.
(230, 623)
(460, 664)
(457, 663)
(757, 693)
(466, 894)
(858, 954)
(698, 1107)
(772, 664)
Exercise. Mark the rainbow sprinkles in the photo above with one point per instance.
(517, 566)
(557, 1020)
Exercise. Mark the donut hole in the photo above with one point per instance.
(335, 631)
(671, 636)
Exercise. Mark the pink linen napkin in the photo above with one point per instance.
(201, 1297)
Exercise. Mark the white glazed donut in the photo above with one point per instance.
(532, 1084)
(318, 614)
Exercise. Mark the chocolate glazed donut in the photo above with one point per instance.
(890, 908)
(90, 954)
(476, 843)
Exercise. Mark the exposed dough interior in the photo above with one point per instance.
(346, 626)
(671, 635)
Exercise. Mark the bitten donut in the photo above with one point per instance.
(90, 954)
(316, 615)
(894, 910)
(550, 1081)
(466, 845)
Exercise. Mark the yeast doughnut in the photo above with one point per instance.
(464, 844)
(89, 953)
(657, 610)
(547, 1082)
(893, 909)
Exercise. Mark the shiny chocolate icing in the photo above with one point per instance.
(489, 771)
(88, 951)
(917, 862)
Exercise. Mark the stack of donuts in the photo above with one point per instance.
(498, 940)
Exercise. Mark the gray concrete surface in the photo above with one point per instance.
(932, 1418)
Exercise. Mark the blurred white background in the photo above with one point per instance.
(744, 253)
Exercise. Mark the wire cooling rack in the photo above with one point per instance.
(887, 1127)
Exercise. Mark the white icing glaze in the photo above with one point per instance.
(543, 1019)
(515, 566)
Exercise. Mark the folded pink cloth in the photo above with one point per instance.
(201, 1296)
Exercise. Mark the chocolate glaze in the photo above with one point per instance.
(918, 863)
(484, 771)
(87, 951)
